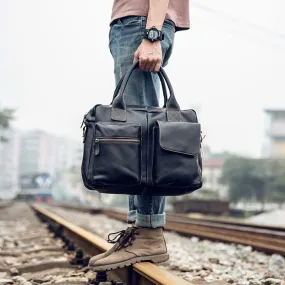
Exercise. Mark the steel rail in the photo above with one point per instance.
(212, 220)
(266, 238)
(144, 273)
(221, 220)
(269, 241)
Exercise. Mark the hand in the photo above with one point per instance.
(149, 56)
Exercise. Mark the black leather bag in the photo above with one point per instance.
(137, 149)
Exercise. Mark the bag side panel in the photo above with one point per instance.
(87, 155)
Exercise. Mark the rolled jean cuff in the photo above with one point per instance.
(132, 216)
(150, 221)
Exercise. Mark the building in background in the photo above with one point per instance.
(43, 152)
(30, 153)
(9, 161)
(212, 171)
(274, 144)
(37, 152)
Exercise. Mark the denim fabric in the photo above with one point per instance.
(143, 89)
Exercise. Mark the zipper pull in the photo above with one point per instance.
(83, 121)
(84, 133)
(97, 149)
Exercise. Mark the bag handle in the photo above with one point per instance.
(118, 112)
(164, 90)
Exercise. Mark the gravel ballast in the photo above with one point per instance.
(198, 260)
(29, 253)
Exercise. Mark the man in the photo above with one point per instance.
(142, 30)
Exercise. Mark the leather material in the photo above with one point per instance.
(97, 257)
(108, 252)
(136, 149)
(148, 242)
(164, 89)
(104, 129)
(118, 115)
(190, 145)
(174, 116)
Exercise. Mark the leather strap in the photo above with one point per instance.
(164, 90)
(172, 107)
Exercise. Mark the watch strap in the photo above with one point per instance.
(160, 34)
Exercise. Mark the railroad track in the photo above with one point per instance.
(30, 254)
(139, 274)
(266, 238)
(57, 252)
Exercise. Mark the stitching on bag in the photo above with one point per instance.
(118, 110)
(173, 117)
(118, 113)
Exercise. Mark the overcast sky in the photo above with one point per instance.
(55, 65)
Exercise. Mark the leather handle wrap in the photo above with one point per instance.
(119, 100)
(118, 112)
(164, 90)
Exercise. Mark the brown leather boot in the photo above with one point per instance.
(119, 237)
(140, 244)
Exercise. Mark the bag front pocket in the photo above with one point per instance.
(117, 154)
(176, 154)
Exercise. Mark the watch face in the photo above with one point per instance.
(153, 34)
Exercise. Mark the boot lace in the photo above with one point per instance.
(124, 238)
(118, 234)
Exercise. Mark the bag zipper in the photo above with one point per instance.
(99, 140)
(84, 130)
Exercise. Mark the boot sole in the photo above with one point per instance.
(150, 258)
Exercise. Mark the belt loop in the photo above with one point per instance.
(143, 25)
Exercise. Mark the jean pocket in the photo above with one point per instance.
(129, 20)
(169, 24)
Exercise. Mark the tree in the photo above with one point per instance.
(277, 189)
(236, 174)
(254, 179)
(6, 116)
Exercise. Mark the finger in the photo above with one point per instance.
(148, 65)
(142, 63)
(154, 63)
(157, 66)
(136, 56)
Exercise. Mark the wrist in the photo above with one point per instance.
(152, 24)
(154, 44)
(153, 34)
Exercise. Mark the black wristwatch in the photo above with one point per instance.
(153, 34)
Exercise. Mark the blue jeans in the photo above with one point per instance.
(143, 89)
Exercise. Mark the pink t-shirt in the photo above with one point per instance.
(178, 11)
